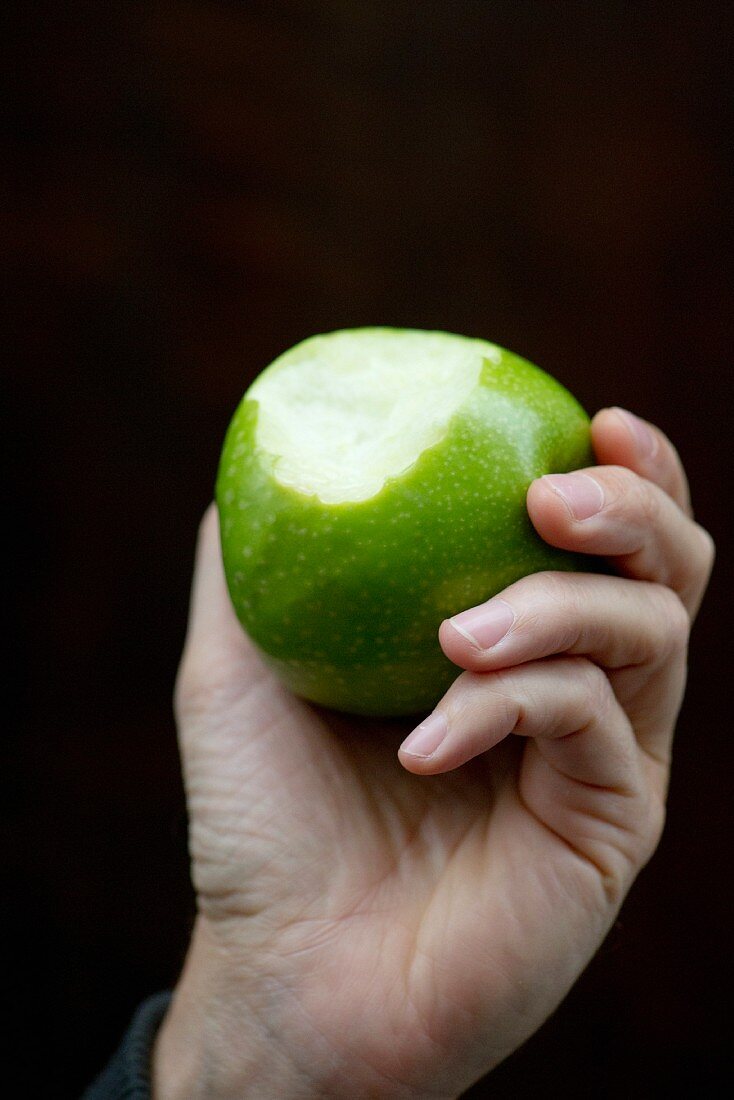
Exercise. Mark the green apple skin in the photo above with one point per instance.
(344, 600)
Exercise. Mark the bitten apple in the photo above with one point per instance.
(372, 483)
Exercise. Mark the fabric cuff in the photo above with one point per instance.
(127, 1075)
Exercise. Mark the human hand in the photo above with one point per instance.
(371, 929)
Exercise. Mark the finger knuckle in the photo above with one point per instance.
(650, 829)
(619, 481)
(596, 687)
(674, 619)
(646, 504)
(561, 590)
(707, 552)
(631, 498)
(553, 600)
(475, 695)
(656, 817)
(696, 570)
(538, 585)
(641, 826)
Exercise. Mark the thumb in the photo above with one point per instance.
(218, 658)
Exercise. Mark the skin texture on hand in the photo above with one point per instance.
(373, 924)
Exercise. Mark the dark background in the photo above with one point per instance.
(193, 188)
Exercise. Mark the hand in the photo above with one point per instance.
(370, 925)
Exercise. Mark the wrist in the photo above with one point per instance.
(215, 1042)
(237, 1029)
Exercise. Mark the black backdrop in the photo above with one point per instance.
(194, 187)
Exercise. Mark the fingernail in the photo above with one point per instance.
(583, 496)
(643, 437)
(425, 738)
(486, 625)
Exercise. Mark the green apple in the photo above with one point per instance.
(372, 483)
